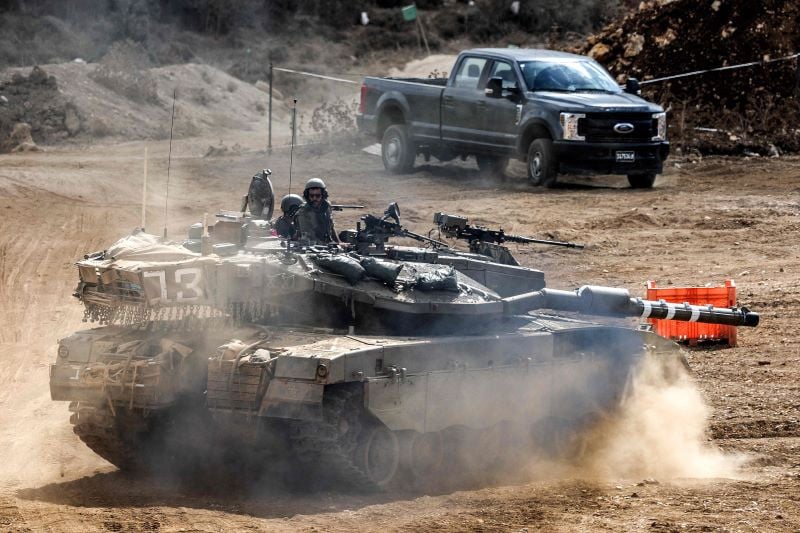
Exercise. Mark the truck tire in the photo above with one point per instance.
(642, 181)
(494, 166)
(397, 151)
(542, 169)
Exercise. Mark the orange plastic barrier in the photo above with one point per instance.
(692, 331)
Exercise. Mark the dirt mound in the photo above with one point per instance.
(751, 107)
(122, 100)
(36, 101)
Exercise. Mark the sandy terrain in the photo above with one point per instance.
(704, 222)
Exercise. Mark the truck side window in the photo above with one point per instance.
(469, 73)
(504, 71)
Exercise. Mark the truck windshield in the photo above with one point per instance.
(574, 76)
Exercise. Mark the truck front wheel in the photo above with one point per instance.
(397, 151)
(542, 169)
(641, 181)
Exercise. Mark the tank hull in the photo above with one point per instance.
(403, 401)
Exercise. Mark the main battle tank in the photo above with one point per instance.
(367, 364)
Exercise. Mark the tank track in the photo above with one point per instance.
(326, 449)
(99, 430)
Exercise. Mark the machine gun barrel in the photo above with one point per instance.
(458, 227)
(610, 301)
(436, 244)
(520, 239)
(342, 207)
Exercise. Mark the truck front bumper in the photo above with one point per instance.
(610, 158)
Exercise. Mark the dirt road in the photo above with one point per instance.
(703, 223)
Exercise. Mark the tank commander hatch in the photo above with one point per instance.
(315, 217)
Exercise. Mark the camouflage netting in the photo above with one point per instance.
(36, 101)
(755, 107)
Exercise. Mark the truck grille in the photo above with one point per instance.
(599, 127)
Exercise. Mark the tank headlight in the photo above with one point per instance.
(322, 371)
(63, 351)
(661, 126)
(569, 125)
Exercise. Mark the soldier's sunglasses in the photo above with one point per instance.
(312, 196)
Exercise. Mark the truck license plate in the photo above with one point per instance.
(626, 157)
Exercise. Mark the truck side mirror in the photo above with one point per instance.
(494, 88)
(632, 86)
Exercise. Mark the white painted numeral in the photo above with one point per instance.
(162, 282)
(192, 286)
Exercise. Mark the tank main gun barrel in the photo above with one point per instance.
(611, 301)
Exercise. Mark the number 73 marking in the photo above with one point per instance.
(187, 284)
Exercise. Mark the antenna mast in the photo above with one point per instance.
(291, 150)
(169, 161)
(144, 190)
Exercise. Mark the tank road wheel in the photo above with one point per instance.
(484, 448)
(423, 454)
(542, 169)
(492, 166)
(378, 455)
(558, 438)
(346, 449)
(642, 181)
(397, 150)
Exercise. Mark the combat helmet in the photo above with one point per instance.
(291, 203)
(315, 183)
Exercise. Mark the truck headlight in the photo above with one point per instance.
(569, 124)
(661, 126)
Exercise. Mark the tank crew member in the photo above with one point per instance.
(315, 219)
(286, 224)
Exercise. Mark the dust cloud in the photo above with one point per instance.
(660, 431)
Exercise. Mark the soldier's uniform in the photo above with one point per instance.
(315, 218)
(316, 223)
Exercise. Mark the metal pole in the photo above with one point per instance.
(291, 151)
(169, 161)
(269, 142)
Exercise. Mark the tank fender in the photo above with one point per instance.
(294, 399)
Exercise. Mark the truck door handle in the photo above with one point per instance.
(447, 100)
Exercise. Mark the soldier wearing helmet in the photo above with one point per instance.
(286, 224)
(314, 218)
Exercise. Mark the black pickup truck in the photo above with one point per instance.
(559, 112)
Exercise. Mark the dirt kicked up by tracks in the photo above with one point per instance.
(704, 222)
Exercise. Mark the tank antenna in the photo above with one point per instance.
(291, 150)
(144, 190)
(169, 160)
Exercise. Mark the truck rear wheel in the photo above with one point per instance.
(397, 151)
(493, 166)
(641, 181)
(542, 169)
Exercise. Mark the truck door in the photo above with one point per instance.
(500, 116)
(461, 102)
